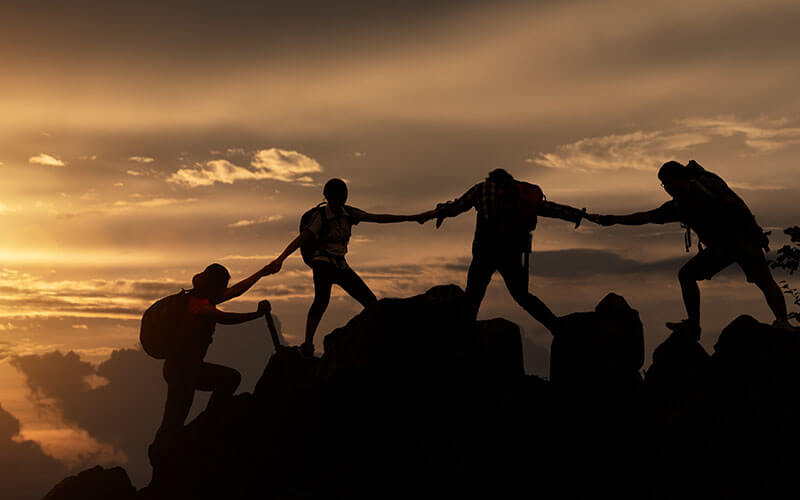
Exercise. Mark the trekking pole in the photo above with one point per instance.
(273, 332)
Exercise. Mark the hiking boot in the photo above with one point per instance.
(783, 324)
(685, 327)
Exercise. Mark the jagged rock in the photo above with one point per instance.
(96, 483)
(410, 400)
(598, 351)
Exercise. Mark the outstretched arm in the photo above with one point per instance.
(388, 219)
(231, 318)
(244, 285)
(300, 240)
(557, 211)
(457, 206)
(661, 215)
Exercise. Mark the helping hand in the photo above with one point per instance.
(603, 220)
(264, 307)
(425, 216)
(272, 268)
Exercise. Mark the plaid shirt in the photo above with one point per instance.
(482, 197)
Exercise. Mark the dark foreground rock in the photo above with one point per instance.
(96, 483)
(411, 401)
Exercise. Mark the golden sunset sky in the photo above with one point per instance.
(140, 142)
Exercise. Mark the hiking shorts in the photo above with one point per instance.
(327, 274)
(710, 261)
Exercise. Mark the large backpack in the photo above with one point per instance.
(162, 325)
(310, 248)
(707, 182)
(715, 189)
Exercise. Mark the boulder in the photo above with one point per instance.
(96, 483)
(598, 351)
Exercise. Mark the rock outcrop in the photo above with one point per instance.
(410, 400)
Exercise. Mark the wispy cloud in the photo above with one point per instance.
(260, 220)
(153, 203)
(46, 160)
(141, 159)
(273, 163)
(646, 150)
(763, 136)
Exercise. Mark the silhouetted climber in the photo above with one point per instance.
(324, 235)
(703, 202)
(507, 213)
(184, 368)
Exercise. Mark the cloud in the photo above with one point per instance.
(88, 157)
(273, 163)
(646, 150)
(134, 173)
(27, 472)
(124, 412)
(25, 295)
(141, 159)
(763, 135)
(153, 203)
(260, 220)
(4, 209)
(46, 160)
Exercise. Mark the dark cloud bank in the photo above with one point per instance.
(126, 411)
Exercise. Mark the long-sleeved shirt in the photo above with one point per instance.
(489, 226)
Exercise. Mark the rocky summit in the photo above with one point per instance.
(412, 400)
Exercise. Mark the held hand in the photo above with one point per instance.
(424, 217)
(603, 220)
(273, 267)
(264, 307)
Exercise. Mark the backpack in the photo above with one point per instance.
(529, 197)
(716, 189)
(310, 248)
(162, 325)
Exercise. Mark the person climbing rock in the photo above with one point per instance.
(184, 342)
(324, 235)
(728, 232)
(507, 212)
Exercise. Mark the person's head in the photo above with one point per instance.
(503, 180)
(212, 282)
(673, 177)
(335, 191)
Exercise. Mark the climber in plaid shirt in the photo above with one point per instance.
(507, 211)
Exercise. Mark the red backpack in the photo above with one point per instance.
(529, 197)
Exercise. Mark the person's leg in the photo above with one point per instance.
(755, 267)
(355, 286)
(513, 273)
(775, 299)
(221, 380)
(479, 275)
(702, 266)
(690, 291)
(323, 280)
(180, 394)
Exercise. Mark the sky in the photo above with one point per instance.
(140, 142)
